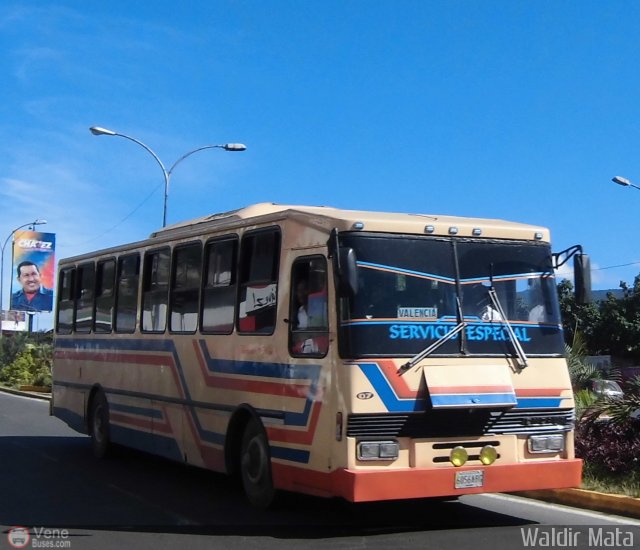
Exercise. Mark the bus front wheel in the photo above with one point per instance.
(255, 466)
(100, 425)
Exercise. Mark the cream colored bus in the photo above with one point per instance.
(356, 354)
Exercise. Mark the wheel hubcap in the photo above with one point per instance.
(254, 461)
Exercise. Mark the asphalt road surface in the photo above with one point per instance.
(51, 484)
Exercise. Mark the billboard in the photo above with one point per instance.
(13, 321)
(33, 271)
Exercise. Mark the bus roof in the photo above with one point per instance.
(344, 220)
(326, 218)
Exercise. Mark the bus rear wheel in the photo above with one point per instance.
(99, 419)
(255, 466)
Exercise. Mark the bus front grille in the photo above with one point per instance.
(460, 423)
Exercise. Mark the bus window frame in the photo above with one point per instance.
(71, 271)
(276, 230)
(234, 285)
(148, 253)
(121, 259)
(78, 300)
(99, 263)
(325, 331)
(176, 248)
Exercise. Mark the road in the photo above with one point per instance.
(50, 479)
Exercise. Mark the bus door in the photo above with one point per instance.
(308, 345)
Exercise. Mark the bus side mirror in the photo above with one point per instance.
(582, 276)
(347, 272)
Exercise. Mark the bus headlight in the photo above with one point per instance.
(546, 443)
(377, 450)
(458, 456)
(488, 455)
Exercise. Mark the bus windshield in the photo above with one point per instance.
(414, 290)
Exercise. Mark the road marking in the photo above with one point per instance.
(565, 508)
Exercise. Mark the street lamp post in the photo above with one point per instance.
(33, 223)
(624, 182)
(98, 131)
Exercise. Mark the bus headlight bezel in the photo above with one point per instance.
(548, 443)
(378, 450)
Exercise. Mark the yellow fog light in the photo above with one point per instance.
(458, 456)
(488, 455)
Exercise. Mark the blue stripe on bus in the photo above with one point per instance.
(386, 393)
(452, 280)
(293, 455)
(539, 402)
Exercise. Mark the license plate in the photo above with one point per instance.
(469, 478)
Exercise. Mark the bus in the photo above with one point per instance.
(338, 353)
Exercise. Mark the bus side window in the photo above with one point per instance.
(127, 293)
(309, 327)
(155, 290)
(64, 321)
(259, 259)
(84, 297)
(219, 286)
(185, 288)
(105, 295)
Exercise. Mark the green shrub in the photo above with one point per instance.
(32, 366)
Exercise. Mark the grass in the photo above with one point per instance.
(597, 479)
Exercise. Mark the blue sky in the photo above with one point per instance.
(505, 109)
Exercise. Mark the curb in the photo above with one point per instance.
(34, 395)
(591, 500)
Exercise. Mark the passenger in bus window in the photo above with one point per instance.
(302, 299)
(477, 302)
(538, 311)
(309, 309)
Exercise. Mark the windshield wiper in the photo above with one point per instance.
(512, 335)
(433, 347)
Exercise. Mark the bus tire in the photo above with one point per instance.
(99, 424)
(255, 466)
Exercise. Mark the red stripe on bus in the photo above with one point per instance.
(540, 392)
(397, 382)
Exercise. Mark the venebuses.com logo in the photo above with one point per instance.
(38, 537)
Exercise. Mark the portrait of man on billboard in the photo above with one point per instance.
(32, 295)
(33, 265)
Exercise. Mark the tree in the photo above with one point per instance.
(26, 359)
(576, 318)
(618, 330)
(609, 327)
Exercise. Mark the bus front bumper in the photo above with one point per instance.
(383, 484)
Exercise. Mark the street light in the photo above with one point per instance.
(624, 182)
(98, 131)
(33, 223)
